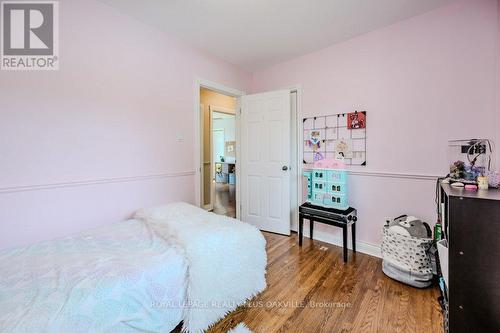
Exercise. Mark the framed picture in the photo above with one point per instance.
(356, 120)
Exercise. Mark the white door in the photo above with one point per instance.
(265, 161)
(218, 145)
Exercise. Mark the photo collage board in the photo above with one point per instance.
(340, 135)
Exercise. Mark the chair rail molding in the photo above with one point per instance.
(400, 175)
(38, 187)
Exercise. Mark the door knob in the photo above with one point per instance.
(284, 168)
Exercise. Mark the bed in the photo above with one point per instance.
(169, 264)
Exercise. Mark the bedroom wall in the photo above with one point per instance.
(423, 81)
(110, 132)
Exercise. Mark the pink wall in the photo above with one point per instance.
(423, 81)
(99, 135)
(96, 140)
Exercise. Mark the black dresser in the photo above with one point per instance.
(471, 226)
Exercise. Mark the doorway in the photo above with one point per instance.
(293, 191)
(218, 181)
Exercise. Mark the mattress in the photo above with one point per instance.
(118, 278)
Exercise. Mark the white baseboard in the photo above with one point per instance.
(363, 247)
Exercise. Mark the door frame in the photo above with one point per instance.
(297, 164)
(219, 109)
(212, 162)
(202, 130)
(214, 86)
(299, 147)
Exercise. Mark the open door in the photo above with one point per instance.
(206, 174)
(265, 160)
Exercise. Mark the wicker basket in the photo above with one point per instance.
(408, 254)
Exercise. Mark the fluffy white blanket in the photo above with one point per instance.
(226, 260)
(241, 328)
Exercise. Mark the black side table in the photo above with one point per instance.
(330, 216)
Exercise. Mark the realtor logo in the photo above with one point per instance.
(29, 35)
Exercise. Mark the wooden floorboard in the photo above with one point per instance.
(310, 289)
(225, 200)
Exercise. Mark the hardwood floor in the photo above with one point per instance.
(310, 289)
(225, 200)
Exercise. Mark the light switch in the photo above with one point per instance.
(179, 137)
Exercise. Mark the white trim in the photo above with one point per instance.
(238, 154)
(212, 162)
(198, 84)
(201, 117)
(39, 187)
(210, 205)
(334, 239)
(211, 110)
(220, 88)
(393, 175)
(400, 175)
(220, 109)
(299, 146)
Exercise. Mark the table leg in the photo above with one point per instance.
(301, 226)
(353, 232)
(344, 234)
(311, 227)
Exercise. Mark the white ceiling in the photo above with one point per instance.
(258, 33)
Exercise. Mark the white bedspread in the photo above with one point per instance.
(226, 260)
(119, 278)
(171, 263)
